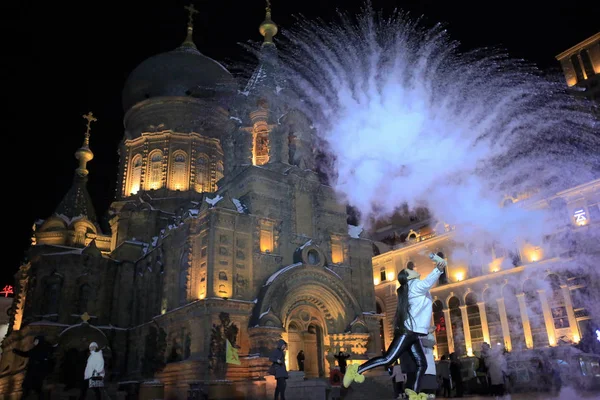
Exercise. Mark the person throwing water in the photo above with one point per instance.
(412, 320)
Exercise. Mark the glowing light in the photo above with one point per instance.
(8, 289)
(135, 189)
(459, 276)
(390, 276)
(266, 240)
(598, 335)
(470, 352)
(376, 281)
(576, 338)
(580, 217)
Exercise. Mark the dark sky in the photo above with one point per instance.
(60, 61)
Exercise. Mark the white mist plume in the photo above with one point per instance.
(407, 119)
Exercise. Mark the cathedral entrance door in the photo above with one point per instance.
(311, 364)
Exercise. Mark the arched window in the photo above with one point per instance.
(83, 300)
(556, 301)
(179, 172)
(513, 315)
(155, 170)
(135, 175)
(474, 320)
(457, 325)
(202, 174)
(441, 334)
(493, 316)
(52, 290)
(535, 313)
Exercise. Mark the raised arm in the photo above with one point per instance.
(420, 287)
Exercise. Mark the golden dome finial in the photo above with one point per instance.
(84, 154)
(189, 41)
(268, 28)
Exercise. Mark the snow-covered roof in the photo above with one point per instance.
(355, 231)
(214, 200)
(279, 272)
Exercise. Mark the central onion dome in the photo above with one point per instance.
(180, 72)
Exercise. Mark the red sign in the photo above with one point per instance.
(7, 290)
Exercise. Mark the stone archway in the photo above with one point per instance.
(310, 304)
(73, 351)
(305, 332)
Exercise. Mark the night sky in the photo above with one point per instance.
(61, 61)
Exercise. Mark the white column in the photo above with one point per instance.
(547, 317)
(484, 322)
(504, 324)
(571, 313)
(467, 331)
(525, 319)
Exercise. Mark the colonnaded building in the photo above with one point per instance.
(221, 230)
(519, 298)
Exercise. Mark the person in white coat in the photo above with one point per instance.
(496, 365)
(413, 319)
(94, 367)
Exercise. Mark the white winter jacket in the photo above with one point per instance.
(95, 362)
(420, 303)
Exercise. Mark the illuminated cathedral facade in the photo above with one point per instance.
(221, 229)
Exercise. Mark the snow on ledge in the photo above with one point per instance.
(241, 208)
(263, 314)
(282, 270)
(214, 200)
(333, 272)
(355, 231)
(306, 244)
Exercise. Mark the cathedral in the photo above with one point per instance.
(221, 232)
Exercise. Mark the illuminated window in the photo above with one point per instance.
(337, 253)
(179, 172)
(261, 145)
(382, 274)
(155, 170)
(202, 174)
(266, 239)
(135, 176)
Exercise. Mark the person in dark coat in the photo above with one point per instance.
(300, 358)
(456, 374)
(39, 366)
(278, 368)
(341, 358)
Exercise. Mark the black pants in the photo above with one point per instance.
(280, 389)
(84, 389)
(446, 388)
(401, 343)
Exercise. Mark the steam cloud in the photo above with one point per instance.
(408, 119)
